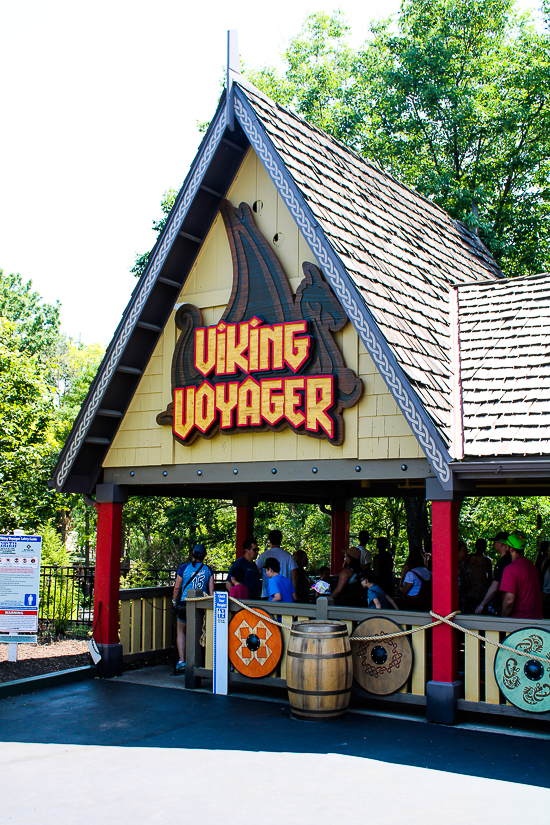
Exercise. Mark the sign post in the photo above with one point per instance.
(19, 590)
(221, 615)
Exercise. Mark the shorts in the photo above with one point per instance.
(181, 611)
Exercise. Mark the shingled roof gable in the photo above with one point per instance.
(505, 366)
(400, 250)
(375, 240)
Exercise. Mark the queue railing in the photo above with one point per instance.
(200, 641)
(146, 622)
(481, 691)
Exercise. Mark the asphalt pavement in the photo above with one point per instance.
(131, 752)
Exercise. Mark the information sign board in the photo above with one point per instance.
(19, 583)
(221, 615)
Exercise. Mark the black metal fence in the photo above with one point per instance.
(67, 593)
(66, 597)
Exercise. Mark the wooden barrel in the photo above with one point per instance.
(319, 669)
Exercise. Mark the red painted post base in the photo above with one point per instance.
(107, 580)
(339, 539)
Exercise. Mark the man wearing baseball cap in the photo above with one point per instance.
(520, 585)
(493, 593)
(195, 575)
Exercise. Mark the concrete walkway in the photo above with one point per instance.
(127, 752)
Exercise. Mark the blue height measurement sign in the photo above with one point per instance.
(221, 619)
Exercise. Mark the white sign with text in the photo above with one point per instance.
(19, 583)
(221, 618)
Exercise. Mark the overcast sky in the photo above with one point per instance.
(99, 104)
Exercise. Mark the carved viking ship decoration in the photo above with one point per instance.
(271, 362)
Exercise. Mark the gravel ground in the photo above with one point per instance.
(45, 657)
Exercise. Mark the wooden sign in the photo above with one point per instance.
(271, 362)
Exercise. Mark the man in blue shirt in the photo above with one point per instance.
(279, 588)
(252, 580)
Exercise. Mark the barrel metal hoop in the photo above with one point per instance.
(318, 655)
(319, 692)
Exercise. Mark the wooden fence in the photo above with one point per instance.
(146, 628)
(199, 658)
(146, 622)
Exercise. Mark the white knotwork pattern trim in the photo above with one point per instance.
(356, 316)
(141, 296)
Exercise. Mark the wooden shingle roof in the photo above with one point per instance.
(505, 366)
(401, 251)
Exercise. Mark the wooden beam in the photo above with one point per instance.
(212, 192)
(150, 327)
(129, 370)
(190, 237)
(168, 282)
(94, 440)
(233, 145)
(109, 413)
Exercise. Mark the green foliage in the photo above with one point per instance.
(44, 377)
(35, 324)
(455, 103)
(167, 203)
(53, 549)
(27, 443)
(485, 517)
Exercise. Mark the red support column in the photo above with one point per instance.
(339, 538)
(107, 579)
(442, 692)
(245, 526)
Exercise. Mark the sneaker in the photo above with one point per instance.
(180, 667)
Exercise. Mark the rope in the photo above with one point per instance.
(446, 619)
(403, 632)
(439, 620)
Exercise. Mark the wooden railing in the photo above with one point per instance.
(199, 658)
(146, 628)
(146, 622)
(481, 692)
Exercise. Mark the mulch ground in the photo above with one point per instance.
(47, 656)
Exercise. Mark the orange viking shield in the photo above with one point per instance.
(255, 646)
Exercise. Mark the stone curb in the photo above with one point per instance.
(59, 677)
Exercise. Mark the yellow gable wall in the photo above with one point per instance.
(374, 428)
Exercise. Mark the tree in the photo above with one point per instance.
(456, 104)
(168, 201)
(35, 324)
(27, 440)
(44, 377)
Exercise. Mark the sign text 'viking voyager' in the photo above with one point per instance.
(253, 348)
(271, 362)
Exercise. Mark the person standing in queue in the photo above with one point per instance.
(280, 587)
(252, 579)
(493, 595)
(303, 589)
(289, 568)
(520, 585)
(348, 587)
(195, 575)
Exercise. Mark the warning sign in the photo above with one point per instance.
(19, 582)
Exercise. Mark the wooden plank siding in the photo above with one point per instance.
(374, 428)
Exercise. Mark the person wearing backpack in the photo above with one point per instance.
(195, 575)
